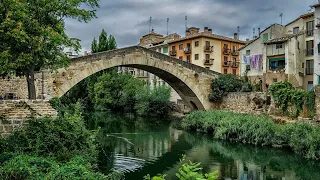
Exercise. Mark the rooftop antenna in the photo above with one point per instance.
(238, 32)
(150, 22)
(281, 14)
(254, 32)
(167, 26)
(186, 18)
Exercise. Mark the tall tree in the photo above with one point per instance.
(112, 43)
(103, 42)
(32, 35)
(94, 46)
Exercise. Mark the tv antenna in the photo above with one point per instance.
(167, 26)
(281, 15)
(238, 32)
(186, 19)
(150, 22)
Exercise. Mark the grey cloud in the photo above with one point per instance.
(128, 20)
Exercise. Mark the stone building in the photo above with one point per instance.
(281, 53)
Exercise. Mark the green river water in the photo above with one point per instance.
(142, 146)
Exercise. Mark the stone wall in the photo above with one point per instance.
(18, 86)
(246, 102)
(14, 113)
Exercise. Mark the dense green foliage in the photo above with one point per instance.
(45, 148)
(32, 35)
(285, 95)
(188, 171)
(224, 84)
(153, 102)
(105, 43)
(302, 138)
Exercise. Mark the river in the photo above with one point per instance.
(142, 146)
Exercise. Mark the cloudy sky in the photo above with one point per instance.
(128, 20)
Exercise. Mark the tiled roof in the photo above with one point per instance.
(152, 33)
(283, 38)
(213, 36)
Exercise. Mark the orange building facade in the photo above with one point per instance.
(205, 49)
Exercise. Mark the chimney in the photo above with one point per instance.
(259, 32)
(152, 30)
(210, 31)
(85, 53)
(236, 36)
(188, 33)
(247, 40)
(255, 37)
(206, 30)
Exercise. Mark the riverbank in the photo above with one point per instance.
(302, 138)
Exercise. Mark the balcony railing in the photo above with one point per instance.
(309, 32)
(208, 48)
(235, 53)
(226, 63)
(309, 52)
(208, 62)
(234, 64)
(173, 53)
(187, 50)
(226, 51)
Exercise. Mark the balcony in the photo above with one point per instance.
(235, 53)
(309, 52)
(208, 62)
(226, 63)
(208, 48)
(226, 51)
(234, 64)
(173, 53)
(309, 32)
(187, 50)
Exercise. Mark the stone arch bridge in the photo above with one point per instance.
(191, 82)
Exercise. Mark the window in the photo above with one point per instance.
(225, 46)
(309, 67)
(265, 37)
(207, 67)
(207, 56)
(225, 58)
(275, 80)
(180, 57)
(234, 48)
(173, 48)
(188, 58)
(196, 44)
(310, 27)
(180, 46)
(165, 50)
(319, 48)
(207, 43)
(225, 71)
(278, 46)
(295, 30)
(159, 50)
(234, 72)
(277, 63)
(310, 85)
(302, 65)
(247, 52)
(309, 50)
(196, 57)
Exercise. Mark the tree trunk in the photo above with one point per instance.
(31, 86)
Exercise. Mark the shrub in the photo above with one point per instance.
(224, 84)
(302, 138)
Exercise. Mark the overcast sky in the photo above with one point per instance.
(128, 20)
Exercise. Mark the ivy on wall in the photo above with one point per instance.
(285, 95)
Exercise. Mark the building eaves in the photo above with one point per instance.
(213, 36)
(250, 42)
(303, 16)
(283, 38)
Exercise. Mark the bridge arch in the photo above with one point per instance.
(191, 82)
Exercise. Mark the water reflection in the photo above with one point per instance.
(147, 146)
